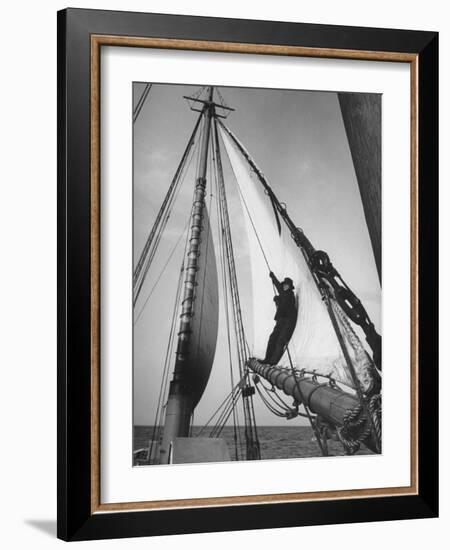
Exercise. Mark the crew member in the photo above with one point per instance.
(285, 317)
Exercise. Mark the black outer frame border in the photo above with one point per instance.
(75, 521)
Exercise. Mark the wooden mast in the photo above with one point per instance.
(181, 400)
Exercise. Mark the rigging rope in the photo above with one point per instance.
(272, 408)
(236, 432)
(165, 378)
(163, 387)
(163, 215)
(156, 240)
(141, 102)
(251, 221)
(222, 404)
(251, 435)
(182, 234)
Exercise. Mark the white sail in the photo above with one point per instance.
(314, 345)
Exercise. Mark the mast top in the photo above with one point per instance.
(209, 104)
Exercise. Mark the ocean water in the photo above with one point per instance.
(275, 441)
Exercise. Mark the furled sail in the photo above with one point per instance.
(204, 324)
(314, 345)
(197, 337)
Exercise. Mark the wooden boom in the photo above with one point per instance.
(328, 401)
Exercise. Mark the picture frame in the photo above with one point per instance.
(81, 36)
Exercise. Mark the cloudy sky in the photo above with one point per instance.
(298, 140)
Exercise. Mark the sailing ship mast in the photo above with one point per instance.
(185, 388)
(180, 403)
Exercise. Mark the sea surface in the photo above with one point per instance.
(275, 441)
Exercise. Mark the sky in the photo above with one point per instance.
(298, 140)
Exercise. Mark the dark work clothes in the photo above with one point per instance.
(286, 306)
(278, 340)
(286, 319)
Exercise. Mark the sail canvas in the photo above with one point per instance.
(203, 337)
(313, 345)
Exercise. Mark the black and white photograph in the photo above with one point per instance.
(225, 249)
(257, 274)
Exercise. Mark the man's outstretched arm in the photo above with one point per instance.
(276, 282)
